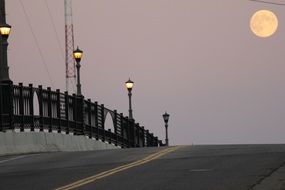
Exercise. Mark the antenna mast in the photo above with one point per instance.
(69, 47)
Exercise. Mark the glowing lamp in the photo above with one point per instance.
(5, 30)
(129, 84)
(77, 54)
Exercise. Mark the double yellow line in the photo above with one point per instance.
(93, 178)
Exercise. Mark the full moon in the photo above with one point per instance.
(263, 23)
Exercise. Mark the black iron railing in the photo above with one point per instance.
(36, 109)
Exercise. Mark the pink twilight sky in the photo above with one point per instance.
(197, 59)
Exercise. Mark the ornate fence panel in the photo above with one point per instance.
(25, 108)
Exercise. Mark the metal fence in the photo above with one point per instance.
(26, 108)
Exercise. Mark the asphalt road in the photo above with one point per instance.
(224, 167)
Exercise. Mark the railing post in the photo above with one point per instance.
(21, 104)
(31, 105)
(58, 110)
(138, 134)
(89, 118)
(115, 120)
(123, 142)
(110, 136)
(134, 127)
(6, 105)
(133, 132)
(78, 113)
(2, 123)
(41, 107)
(96, 121)
(81, 114)
(131, 126)
(74, 110)
(143, 137)
(1, 108)
(103, 122)
(128, 131)
(66, 102)
(155, 141)
(151, 139)
(49, 109)
(147, 138)
(160, 143)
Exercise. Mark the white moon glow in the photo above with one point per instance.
(263, 23)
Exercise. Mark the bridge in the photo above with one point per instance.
(35, 109)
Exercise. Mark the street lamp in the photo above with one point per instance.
(129, 85)
(166, 118)
(77, 54)
(5, 30)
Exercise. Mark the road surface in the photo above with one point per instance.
(223, 167)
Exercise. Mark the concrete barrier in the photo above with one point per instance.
(32, 142)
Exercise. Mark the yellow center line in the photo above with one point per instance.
(101, 175)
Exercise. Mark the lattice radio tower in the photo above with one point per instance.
(69, 47)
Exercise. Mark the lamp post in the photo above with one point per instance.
(4, 69)
(6, 102)
(77, 54)
(166, 118)
(129, 84)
